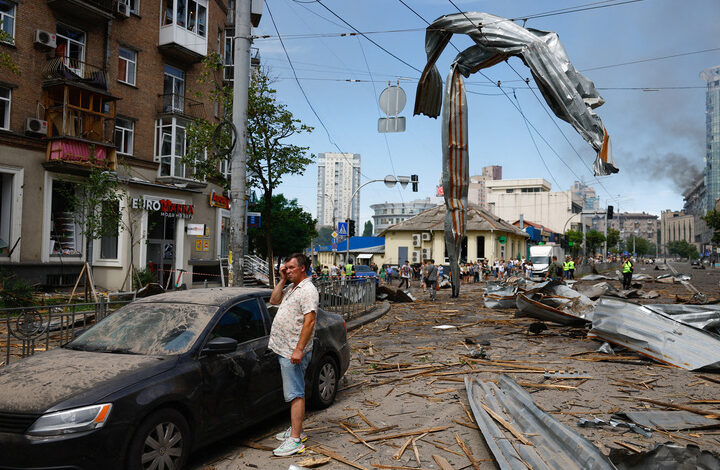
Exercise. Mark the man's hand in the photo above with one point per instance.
(283, 272)
(296, 357)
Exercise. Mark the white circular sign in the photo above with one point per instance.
(392, 100)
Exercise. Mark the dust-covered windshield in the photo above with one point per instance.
(147, 328)
(540, 259)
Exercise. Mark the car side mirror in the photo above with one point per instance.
(220, 345)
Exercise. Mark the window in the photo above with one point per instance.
(71, 46)
(6, 212)
(124, 133)
(5, 94)
(173, 89)
(7, 20)
(127, 65)
(65, 234)
(170, 145)
(109, 240)
(242, 322)
(229, 50)
(188, 14)
(134, 6)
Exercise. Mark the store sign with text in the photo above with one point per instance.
(166, 207)
(218, 200)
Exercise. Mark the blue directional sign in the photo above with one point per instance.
(334, 244)
(342, 229)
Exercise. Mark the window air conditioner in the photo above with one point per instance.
(415, 257)
(426, 253)
(35, 126)
(122, 9)
(426, 236)
(45, 39)
(417, 241)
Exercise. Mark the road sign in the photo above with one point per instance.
(391, 124)
(502, 239)
(334, 244)
(342, 229)
(334, 234)
(253, 219)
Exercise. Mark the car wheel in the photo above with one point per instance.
(325, 383)
(161, 441)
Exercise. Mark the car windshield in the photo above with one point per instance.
(147, 328)
(540, 259)
(361, 268)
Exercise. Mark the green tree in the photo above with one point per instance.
(594, 240)
(613, 237)
(683, 249)
(640, 245)
(576, 238)
(95, 203)
(368, 230)
(712, 219)
(292, 234)
(269, 156)
(6, 62)
(324, 236)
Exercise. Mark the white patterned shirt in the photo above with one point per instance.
(297, 301)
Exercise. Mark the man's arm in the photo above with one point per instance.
(276, 296)
(305, 333)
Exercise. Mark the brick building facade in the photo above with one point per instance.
(107, 83)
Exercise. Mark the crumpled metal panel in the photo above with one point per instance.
(655, 335)
(553, 444)
(706, 317)
(570, 95)
(676, 420)
(531, 305)
(500, 295)
(669, 457)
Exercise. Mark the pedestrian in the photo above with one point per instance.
(423, 274)
(382, 275)
(349, 269)
(566, 268)
(405, 275)
(627, 272)
(555, 271)
(572, 269)
(291, 337)
(432, 279)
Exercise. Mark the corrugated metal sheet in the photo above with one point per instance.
(534, 308)
(655, 335)
(554, 446)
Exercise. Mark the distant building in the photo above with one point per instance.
(338, 178)
(390, 213)
(639, 224)
(674, 226)
(532, 199)
(477, 190)
(696, 200)
(585, 193)
(712, 137)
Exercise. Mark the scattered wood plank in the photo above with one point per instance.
(398, 455)
(442, 463)
(705, 413)
(506, 425)
(467, 451)
(255, 445)
(551, 386)
(337, 457)
(409, 433)
(312, 462)
(629, 446)
(354, 434)
(415, 448)
(465, 423)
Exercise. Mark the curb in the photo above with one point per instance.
(369, 317)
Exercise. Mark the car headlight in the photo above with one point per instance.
(86, 418)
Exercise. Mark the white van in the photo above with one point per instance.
(541, 257)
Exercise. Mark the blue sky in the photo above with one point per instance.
(654, 109)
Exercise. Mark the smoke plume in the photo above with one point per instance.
(677, 168)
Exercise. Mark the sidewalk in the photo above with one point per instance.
(379, 311)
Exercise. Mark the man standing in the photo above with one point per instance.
(431, 278)
(291, 338)
(627, 272)
(571, 265)
(555, 271)
(405, 275)
(566, 267)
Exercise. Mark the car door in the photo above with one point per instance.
(234, 383)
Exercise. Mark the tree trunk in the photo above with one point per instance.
(266, 224)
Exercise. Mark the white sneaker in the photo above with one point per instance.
(283, 436)
(290, 446)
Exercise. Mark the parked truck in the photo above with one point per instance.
(541, 257)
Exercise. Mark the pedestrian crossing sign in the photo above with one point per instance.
(342, 229)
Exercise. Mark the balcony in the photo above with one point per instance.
(172, 103)
(88, 11)
(184, 30)
(67, 70)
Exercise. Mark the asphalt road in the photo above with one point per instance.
(423, 387)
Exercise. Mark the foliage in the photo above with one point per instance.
(594, 240)
(712, 219)
(6, 62)
(613, 237)
(14, 291)
(576, 239)
(146, 276)
(642, 246)
(324, 236)
(368, 230)
(95, 204)
(683, 249)
(291, 235)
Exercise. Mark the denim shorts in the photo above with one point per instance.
(293, 376)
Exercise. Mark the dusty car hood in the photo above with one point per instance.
(37, 383)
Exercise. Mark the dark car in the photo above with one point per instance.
(365, 271)
(155, 380)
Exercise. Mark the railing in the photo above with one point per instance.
(348, 297)
(257, 268)
(27, 330)
(181, 104)
(76, 70)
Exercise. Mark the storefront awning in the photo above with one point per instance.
(364, 256)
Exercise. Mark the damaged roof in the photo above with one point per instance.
(477, 220)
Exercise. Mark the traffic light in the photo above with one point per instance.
(351, 228)
(414, 181)
(610, 212)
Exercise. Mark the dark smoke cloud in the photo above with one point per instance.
(679, 169)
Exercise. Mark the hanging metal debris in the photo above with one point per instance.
(569, 94)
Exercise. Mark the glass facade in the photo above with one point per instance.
(712, 130)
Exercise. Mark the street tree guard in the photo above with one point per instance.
(568, 93)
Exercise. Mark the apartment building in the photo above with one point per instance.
(110, 84)
(338, 178)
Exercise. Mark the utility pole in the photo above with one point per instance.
(241, 84)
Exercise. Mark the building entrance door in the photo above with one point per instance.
(161, 246)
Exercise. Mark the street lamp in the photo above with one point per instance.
(389, 181)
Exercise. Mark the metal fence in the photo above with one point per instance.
(348, 297)
(27, 330)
